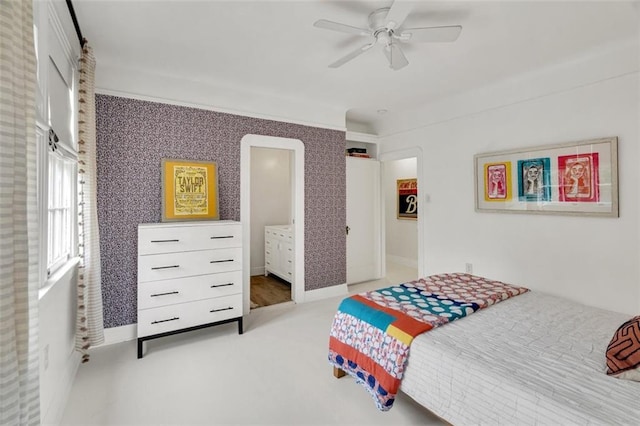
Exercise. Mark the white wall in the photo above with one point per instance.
(401, 236)
(58, 359)
(270, 197)
(589, 259)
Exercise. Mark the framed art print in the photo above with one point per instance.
(579, 178)
(407, 198)
(497, 181)
(534, 179)
(189, 190)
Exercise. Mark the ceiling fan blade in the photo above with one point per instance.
(396, 58)
(335, 26)
(431, 34)
(352, 55)
(397, 14)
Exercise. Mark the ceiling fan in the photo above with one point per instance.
(385, 28)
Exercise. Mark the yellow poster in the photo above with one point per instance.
(190, 190)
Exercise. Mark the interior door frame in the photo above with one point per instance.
(297, 182)
(401, 154)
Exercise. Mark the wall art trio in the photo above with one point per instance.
(579, 178)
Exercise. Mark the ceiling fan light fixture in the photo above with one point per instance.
(386, 27)
(383, 38)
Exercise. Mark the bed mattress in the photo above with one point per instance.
(533, 359)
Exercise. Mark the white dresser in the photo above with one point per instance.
(278, 251)
(189, 277)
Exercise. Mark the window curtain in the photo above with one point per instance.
(19, 387)
(89, 318)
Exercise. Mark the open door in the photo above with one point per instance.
(363, 220)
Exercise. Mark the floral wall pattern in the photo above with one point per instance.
(134, 136)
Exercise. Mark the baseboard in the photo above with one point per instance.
(119, 334)
(58, 403)
(326, 292)
(258, 270)
(405, 261)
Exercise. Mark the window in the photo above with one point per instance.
(61, 207)
(56, 116)
(61, 172)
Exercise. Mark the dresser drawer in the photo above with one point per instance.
(153, 294)
(185, 315)
(155, 267)
(287, 251)
(171, 239)
(288, 267)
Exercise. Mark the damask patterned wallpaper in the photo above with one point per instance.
(133, 137)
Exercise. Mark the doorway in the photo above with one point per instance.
(400, 228)
(271, 212)
(294, 149)
(402, 239)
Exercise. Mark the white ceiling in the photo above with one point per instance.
(271, 48)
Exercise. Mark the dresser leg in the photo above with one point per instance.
(240, 330)
(139, 348)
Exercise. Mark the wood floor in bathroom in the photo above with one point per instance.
(270, 290)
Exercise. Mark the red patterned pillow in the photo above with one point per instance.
(623, 352)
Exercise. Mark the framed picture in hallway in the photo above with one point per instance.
(189, 190)
(574, 178)
(407, 198)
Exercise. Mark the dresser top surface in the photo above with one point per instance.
(282, 227)
(189, 224)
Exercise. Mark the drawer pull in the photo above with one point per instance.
(165, 267)
(268, 252)
(221, 285)
(165, 241)
(289, 273)
(289, 261)
(165, 294)
(221, 309)
(225, 236)
(221, 261)
(167, 320)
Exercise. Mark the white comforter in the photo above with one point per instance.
(532, 359)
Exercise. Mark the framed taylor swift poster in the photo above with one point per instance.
(574, 178)
(189, 190)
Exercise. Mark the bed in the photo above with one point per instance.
(531, 359)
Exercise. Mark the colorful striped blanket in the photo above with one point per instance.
(372, 332)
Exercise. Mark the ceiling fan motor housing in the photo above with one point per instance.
(378, 24)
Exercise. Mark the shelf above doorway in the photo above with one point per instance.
(365, 141)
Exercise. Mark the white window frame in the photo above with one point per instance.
(61, 210)
(55, 53)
